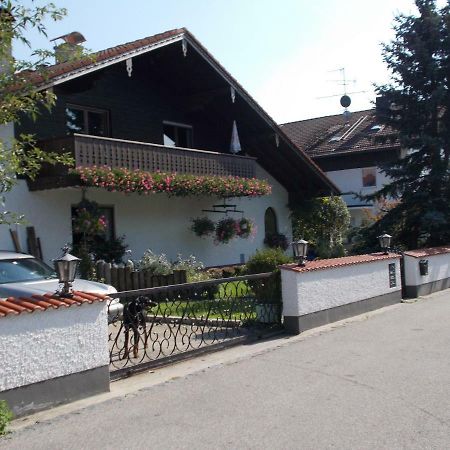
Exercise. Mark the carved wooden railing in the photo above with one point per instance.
(91, 151)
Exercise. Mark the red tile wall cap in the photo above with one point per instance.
(15, 306)
(421, 252)
(322, 264)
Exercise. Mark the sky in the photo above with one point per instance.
(285, 53)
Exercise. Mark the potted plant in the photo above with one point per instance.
(244, 227)
(225, 230)
(202, 226)
(274, 240)
(268, 294)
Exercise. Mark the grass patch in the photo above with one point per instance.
(227, 301)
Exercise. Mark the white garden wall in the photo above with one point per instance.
(40, 346)
(316, 294)
(156, 222)
(438, 276)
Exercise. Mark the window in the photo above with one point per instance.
(108, 213)
(270, 222)
(369, 177)
(177, 135)
(85, 120)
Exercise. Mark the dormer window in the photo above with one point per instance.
(376, 128)
(87, 120)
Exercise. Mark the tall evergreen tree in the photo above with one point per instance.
(417, 105)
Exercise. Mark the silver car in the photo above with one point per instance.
(23, 275)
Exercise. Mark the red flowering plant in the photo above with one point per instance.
(245, 228)
(177, 185)
(226, 230)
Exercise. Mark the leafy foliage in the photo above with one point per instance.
(323, 222)
(90, 241)
(18, 96)
(202, 226)
(417, 105)
(267, 260)
(275, 240)
(5, 416)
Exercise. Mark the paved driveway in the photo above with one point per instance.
(380, 383)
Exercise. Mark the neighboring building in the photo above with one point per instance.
(159, 103)
(350, 151)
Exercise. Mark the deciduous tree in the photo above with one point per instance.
(19, 97)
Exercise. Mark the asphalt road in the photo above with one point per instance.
(380, 383)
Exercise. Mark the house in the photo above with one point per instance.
(350, 150)
(160, 104)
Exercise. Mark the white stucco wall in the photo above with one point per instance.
(6, 134)
(350, 180)
(44, 345)
(438, 269)
(156, 222)
(308, 292)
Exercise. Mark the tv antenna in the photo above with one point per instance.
(345, 99)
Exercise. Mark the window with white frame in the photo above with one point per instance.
(87, 120)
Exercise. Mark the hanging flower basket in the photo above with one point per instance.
(245, 228)
(202, 226)
(225, 230)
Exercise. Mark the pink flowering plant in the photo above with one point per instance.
(88, 223)
(245, 228)
(225, 230)
(173, 184)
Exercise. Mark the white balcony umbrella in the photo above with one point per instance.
(235, 146)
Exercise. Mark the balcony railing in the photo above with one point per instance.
(91, 151)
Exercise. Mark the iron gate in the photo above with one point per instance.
(152, 327)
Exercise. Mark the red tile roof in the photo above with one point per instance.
(319, 136)
(321, 264)
(420, 253)
(17, 306)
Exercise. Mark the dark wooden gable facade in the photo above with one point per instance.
(191, 89)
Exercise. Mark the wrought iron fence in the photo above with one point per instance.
(150, 327)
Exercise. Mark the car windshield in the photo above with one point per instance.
(24, 269)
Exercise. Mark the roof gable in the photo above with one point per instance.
(60, 73)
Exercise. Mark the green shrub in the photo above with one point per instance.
(267, 260)
(5, 416)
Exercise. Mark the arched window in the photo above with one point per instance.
(270, 222)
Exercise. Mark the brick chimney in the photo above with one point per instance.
(71, 48)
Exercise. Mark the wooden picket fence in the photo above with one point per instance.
(126, 278)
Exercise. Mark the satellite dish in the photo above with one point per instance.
(345, 101)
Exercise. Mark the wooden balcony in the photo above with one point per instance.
(91, 151)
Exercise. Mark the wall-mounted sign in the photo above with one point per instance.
(392, 275)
